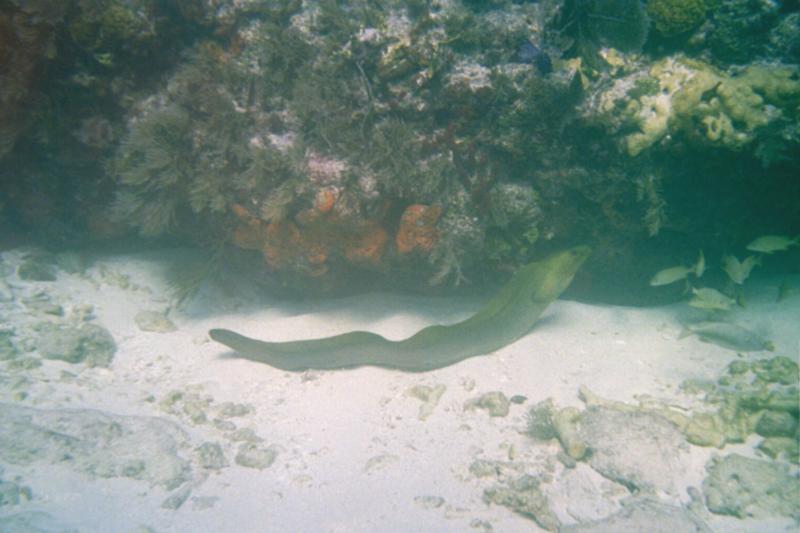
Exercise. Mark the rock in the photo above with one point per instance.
(12, 493)
(87, 343)
(640, 450)
(253, 456)
(154, 321)
(495, 403)
(523, 496)
(776, 424)
(565, 425)
(33, 522)
(95, 443)
(643, 515)
(746, 488)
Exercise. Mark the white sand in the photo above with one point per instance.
(352, 451)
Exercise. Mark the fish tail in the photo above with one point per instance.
(685, 332)
(740, 299)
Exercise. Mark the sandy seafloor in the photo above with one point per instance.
(175, 434)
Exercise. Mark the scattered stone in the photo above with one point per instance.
(523, 496)
(429, 502)
(210, 456)
(154, 321)
(200, 503)
(245, 435)
(36, 270)
(494, 402)
(250, 455)
(95, 443)
(379, 462)
(87, 343)
(643, 515)
(745, 488)
(190, 405)
(429, 396)
(233, 410)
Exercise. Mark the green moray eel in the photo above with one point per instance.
(507, 317)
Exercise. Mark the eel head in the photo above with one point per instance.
(555, 273)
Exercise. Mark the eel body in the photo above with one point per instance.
(507, 317)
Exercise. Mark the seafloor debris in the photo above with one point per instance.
(154, 321)
(495, 403)
(429, 395)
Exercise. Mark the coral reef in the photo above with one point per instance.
(422, 143)
(672, 17)
(27, 43)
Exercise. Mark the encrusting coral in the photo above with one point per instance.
(704, 105)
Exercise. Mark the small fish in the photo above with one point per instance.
(773, 243)
(728, 336)
(677, 273)
(711, 299)
(533, 55)
(739, 271)
(700, 266)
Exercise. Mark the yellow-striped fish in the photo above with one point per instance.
(677, 273)
(768, 244)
